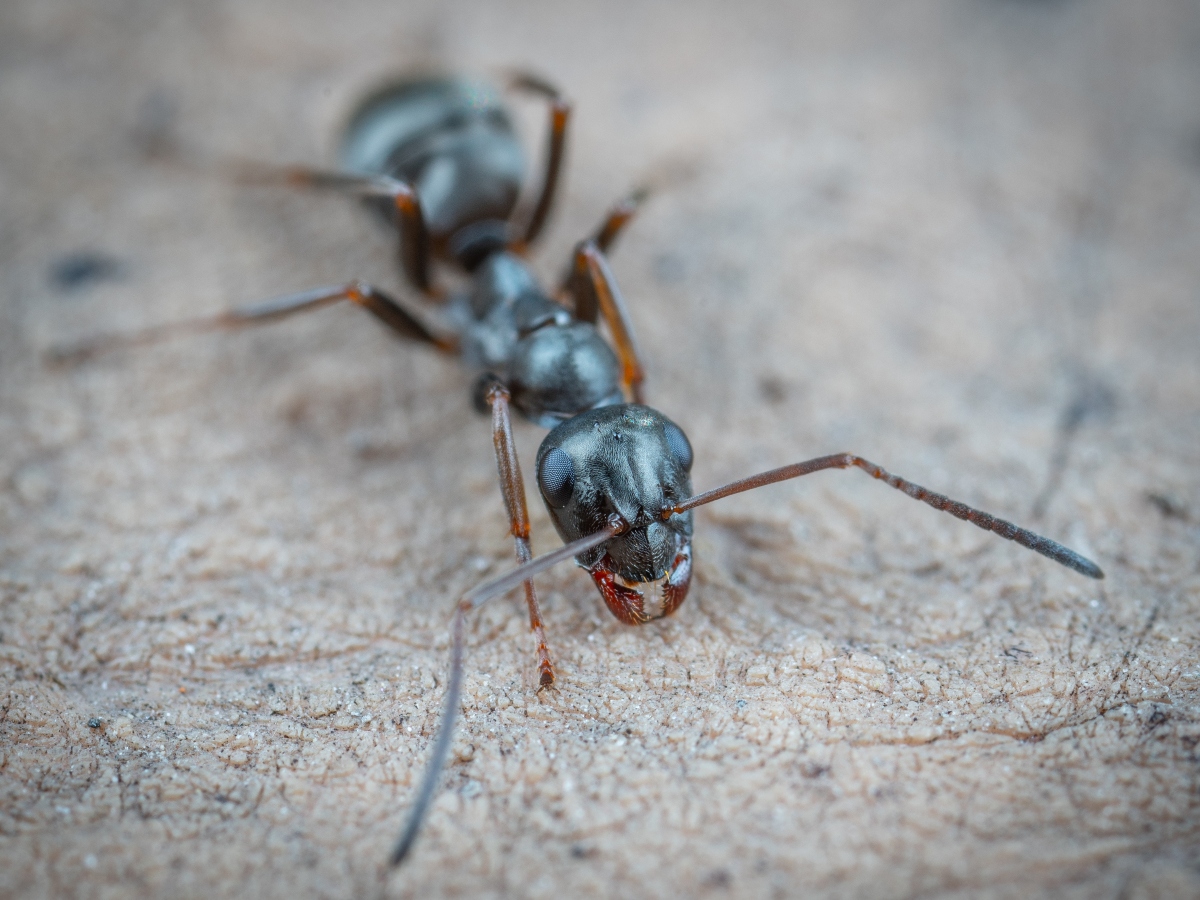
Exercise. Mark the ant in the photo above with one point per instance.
(440, 155)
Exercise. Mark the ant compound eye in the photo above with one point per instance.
(556, 477)
(679, 445)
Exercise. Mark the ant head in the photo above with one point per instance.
(631, 462)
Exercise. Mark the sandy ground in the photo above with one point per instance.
(959, 238)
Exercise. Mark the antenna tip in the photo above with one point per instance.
(1084, 566)
(401, 852)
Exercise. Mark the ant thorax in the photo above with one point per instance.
(554, 365)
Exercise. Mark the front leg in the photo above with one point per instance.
(512, 486)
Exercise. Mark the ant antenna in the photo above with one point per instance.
(1035, 542)
(472, 600)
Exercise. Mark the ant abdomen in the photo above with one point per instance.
(452, 140)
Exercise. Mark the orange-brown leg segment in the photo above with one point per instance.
(600, 291)
(560, 113)
(414, 235)
(379, 304)
(370, 298)
(618, 217)
(604, 237)
(512, 486)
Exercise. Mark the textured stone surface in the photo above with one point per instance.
(959, 238)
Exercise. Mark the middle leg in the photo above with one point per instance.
(384, 308)
(513, 487)
(415, 249)
(603, 237)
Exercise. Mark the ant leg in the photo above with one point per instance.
(383, 307)
(560, 112)
(414, 234)
(618, 217)
(599, 290)
(604, 237)
(513, 488)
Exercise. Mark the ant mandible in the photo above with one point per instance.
(440, 155)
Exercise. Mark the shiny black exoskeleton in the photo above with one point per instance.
(553, 364)
(634, 462)
(452, 140)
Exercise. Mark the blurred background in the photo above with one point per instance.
(959, 238)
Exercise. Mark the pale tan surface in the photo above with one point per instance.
(922, 235)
